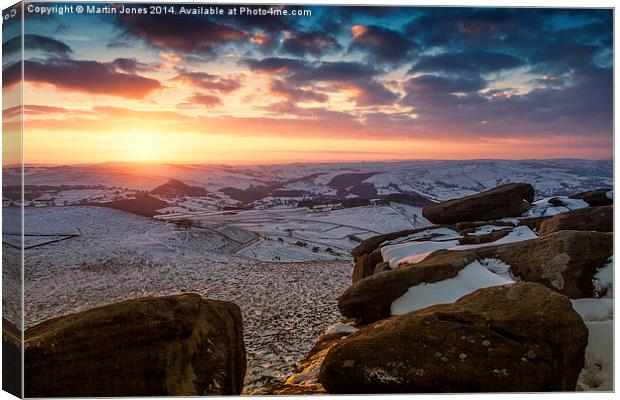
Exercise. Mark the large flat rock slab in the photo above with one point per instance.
(509, 200)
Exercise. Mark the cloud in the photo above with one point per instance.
(333, 71)
(583, 108)
(183, 34)
(274, 65)
(369, 93)
(469, 61)
(550, 40)
(478, 74)
(173, 58)
(130, 65)
(459, 26)
(381, 44)
(115, 45)
(82, 76)
(314, 43)
(439, 84)
(300, 71)
(295, 94)
(212, 82)
(121, 113)
(263, 39)
(34, 43)
(565, 55)
(357, 79)
(32, 110)
(205, 100)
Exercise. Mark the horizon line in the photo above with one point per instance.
(394, 161)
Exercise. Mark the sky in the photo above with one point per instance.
(341, 84)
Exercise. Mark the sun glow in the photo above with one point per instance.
(145, 146)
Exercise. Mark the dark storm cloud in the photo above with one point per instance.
(309, 43)
(381, 44)
(300, 71)
(469, 61)
(334, 71)
(275, 65)
(439, 84)
(559, 53)
(82, 76)
(585, 107)
(537, 36)
(568, 53)
(36, 43)
(181, 34)
(454, 26)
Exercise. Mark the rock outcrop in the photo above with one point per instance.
(509, 200)
(599, 219)
(368, 253)
(484, 238)
(371, 298)
(595, 198)
(156, 346)
(516, 338)
(564, 261)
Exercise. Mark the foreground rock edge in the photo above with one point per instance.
(179, 345)
(520, 337)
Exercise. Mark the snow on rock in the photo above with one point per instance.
(339, 327)
(604, 280)
(498, 267)
(472, 277)
(543, 208)
(597, 373)
(441, 233)
(486, 229)
(518, 234)
(598, 315)
(413, 252)
(610, 194)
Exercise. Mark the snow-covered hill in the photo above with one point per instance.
(270, 185)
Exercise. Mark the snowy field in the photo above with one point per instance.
(120, 256)
(299, 234)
